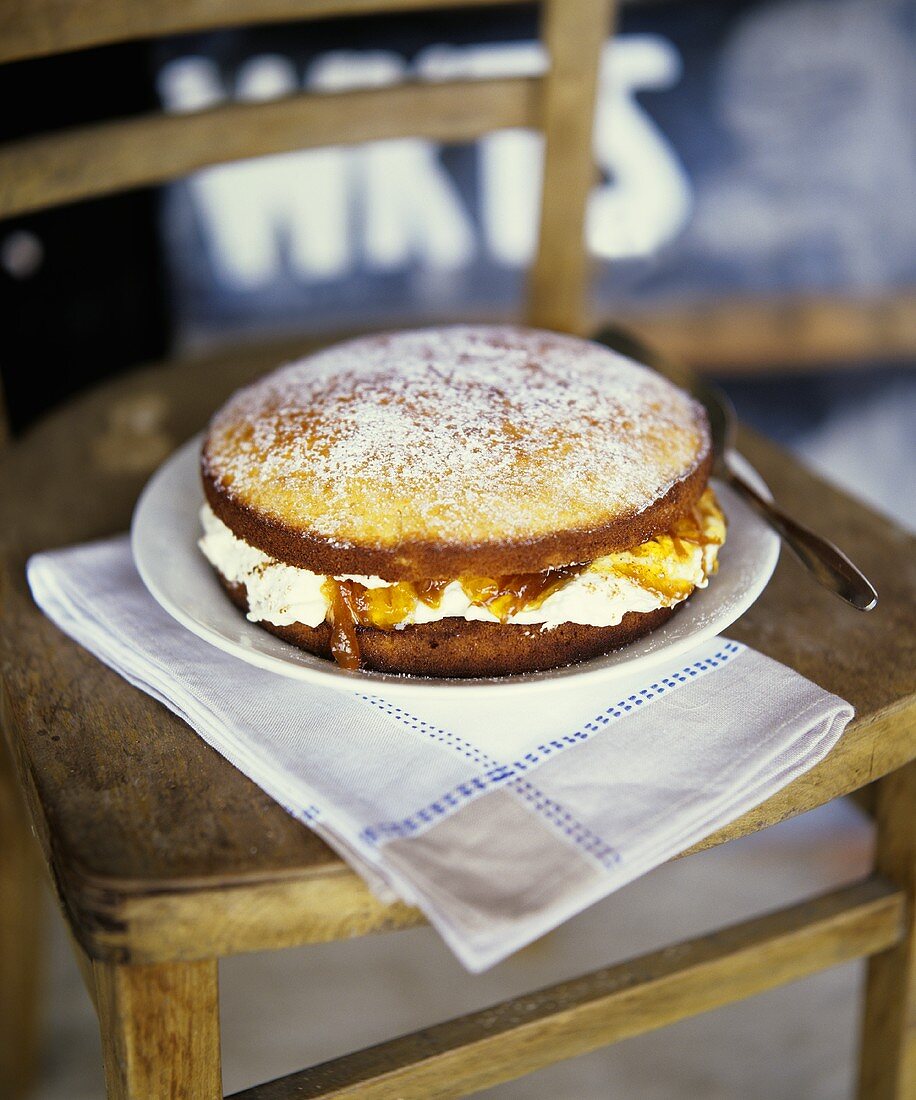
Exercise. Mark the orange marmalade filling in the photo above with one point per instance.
(353, 606)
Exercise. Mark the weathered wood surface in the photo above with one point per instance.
(33, 28)
(105, 157)
(887, 1064)
(160, 1031)
(573, 33)
(143, 821)
(497, 1044)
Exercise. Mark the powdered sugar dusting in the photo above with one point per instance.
(462, 434)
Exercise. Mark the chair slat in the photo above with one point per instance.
(113, 156)
(36, 28)
(574, 33)
(744, 335)
(526, 1033)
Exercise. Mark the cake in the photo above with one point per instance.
(460, 501)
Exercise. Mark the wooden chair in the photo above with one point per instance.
(164, 858)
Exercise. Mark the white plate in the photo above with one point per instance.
(164, 537)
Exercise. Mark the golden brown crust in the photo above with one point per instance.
(464, 450)
(435, 560)
(456, 648)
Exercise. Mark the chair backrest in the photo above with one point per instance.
(103, 158)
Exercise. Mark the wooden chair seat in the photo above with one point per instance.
(161, 850)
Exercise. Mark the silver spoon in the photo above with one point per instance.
(827, 562)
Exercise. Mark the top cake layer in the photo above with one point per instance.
(487, 449)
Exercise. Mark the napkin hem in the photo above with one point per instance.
(500, 774)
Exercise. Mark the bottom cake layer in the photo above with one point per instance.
(456, 647)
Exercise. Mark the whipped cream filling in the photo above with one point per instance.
(598, 596)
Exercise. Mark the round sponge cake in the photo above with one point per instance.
(460, 501)
(430, 454)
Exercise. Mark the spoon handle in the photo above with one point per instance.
(827, 562)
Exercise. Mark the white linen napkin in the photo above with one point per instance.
(499, 819)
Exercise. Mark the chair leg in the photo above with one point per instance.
(160, 1030)
(887, 1068)
(21, 938)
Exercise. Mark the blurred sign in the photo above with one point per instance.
(751, 146)
(411, 210)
